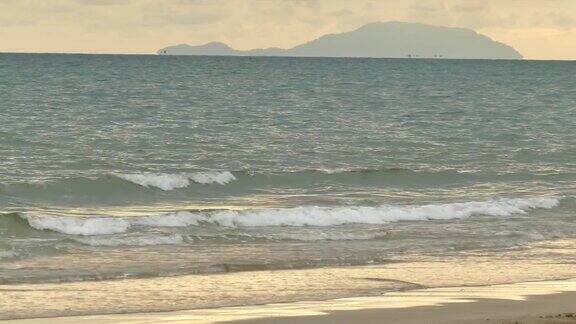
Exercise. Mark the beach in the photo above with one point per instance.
(144, 188)
(511, 286)
(526, 303)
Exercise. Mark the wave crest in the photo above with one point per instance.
(335, 216)
(80, 225)
(167, 181)
(296, 217)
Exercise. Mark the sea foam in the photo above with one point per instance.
(80, 225)
(334, 216)
(167, 181)
(297, 217)
(220, 178)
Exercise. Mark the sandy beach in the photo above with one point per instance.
(517, 287)
(534, 302)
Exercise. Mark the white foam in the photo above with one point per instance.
(162, 181)
(336, 170)
(334, 216)
(79, 225)
(221, 178)
(299, 216)
(167, 181)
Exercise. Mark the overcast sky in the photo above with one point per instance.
(539, 29)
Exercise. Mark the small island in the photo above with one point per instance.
(377, 40)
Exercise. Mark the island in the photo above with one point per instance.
(377, 40)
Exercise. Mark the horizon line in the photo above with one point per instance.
(284, 56)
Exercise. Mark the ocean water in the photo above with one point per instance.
(119, 166)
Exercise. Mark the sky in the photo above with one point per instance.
(539, 29)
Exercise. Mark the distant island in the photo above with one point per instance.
(379, 40)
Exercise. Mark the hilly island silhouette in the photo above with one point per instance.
(378, 40)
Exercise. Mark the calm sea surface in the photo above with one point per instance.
(116, 166)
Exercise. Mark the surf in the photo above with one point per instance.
(303, 216)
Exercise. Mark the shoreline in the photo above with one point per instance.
(544, 269)
(260, 290)
(526, 302)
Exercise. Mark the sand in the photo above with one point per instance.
(406, 292)
(534, 302)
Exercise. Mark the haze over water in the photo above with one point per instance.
(155, 166)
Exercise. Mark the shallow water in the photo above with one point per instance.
(543, 261)
(154, 166)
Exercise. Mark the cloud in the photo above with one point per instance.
(103, 2)
(141, 26)
(470, 7)
(556, 19)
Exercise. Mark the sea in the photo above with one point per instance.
(128, 166)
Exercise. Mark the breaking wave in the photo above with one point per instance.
(166, 181)
(122, 187)
(295, 217)
(80, 225)
(334, 216)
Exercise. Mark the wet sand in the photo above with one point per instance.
(529, 303)
(494, 304)
(410, 291)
